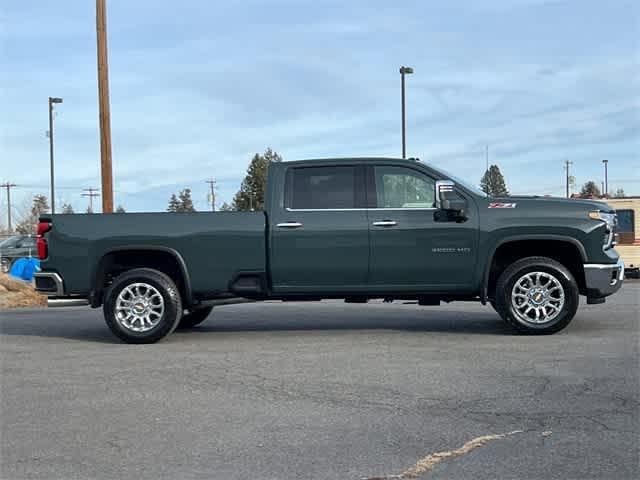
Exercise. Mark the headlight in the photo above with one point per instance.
(611, 221)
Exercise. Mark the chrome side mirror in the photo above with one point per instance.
(449, 201)
(444, 191)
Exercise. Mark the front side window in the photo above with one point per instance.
(322, 188)
(399, 187)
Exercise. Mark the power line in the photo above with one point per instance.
(8, 186)
(92, 193)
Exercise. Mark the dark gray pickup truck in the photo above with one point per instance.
(354, 229)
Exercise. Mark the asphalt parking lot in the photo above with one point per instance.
(323, 391)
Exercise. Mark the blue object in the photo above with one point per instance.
(24, 268)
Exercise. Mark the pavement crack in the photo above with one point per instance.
(425, 464)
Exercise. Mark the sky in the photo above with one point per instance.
(198, 87)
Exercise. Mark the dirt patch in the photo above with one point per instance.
(16, 294)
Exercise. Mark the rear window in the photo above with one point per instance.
(322, 188)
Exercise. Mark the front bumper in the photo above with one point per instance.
(603, 279)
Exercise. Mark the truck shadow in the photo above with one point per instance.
(478, 323)
(88, 325)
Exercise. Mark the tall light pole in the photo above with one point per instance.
(52, 101)
(404, 71)
(606, 180)
(105, 115)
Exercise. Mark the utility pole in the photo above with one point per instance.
(8, 186)
(404, 71)
(93, 192)
(567, 166)
(105, 115)
(52, 101)
(606, 180)
(212, 184)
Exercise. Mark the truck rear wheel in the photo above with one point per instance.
(194, 317)
(142, 306)
(537, 295)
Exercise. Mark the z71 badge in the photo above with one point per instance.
(502, 205)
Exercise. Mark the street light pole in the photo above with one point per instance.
(606, 180)
(52, 100)
(404, 71)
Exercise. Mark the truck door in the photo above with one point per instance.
(319, 235)
(412, 246)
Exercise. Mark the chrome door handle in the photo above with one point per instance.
(385, 223)
(289, 225)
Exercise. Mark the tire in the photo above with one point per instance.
(546, 291)
(194, 317)
(142, 306)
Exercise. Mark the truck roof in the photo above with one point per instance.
(326, 161)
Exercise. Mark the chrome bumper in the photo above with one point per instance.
(49, 283)
(603, 279)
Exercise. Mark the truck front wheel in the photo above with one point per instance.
(142, 306)
(537, 295)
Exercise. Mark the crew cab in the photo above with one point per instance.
(354, 229)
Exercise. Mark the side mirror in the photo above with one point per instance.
(447, 199)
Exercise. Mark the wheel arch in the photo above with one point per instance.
(533, 245)
(164, 259)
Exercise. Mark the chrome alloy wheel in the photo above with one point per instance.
(139, 307)
(537, 297)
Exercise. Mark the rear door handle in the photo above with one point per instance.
(289, 225)
(385, 223)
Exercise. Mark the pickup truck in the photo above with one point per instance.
(353, 229)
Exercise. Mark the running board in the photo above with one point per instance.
(224, 301)
(67, 302)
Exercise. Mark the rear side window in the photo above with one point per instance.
(321, 188)
(399, 187)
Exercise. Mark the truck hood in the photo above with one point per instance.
(535, 200)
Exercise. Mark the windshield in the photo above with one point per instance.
(459, 181)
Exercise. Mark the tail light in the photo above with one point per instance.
(41, 242)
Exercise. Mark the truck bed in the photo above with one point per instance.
(213, 245)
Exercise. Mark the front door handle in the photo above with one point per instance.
(385, 223)
(289, 225)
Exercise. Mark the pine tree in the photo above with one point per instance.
(29, 225)
(120, 209)
(182, 202)
(251, 193)
(174, 204)
(619, 193)
(225, 207)
(590, 190)
(67, 208)
(186, 204)
(493, 184)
